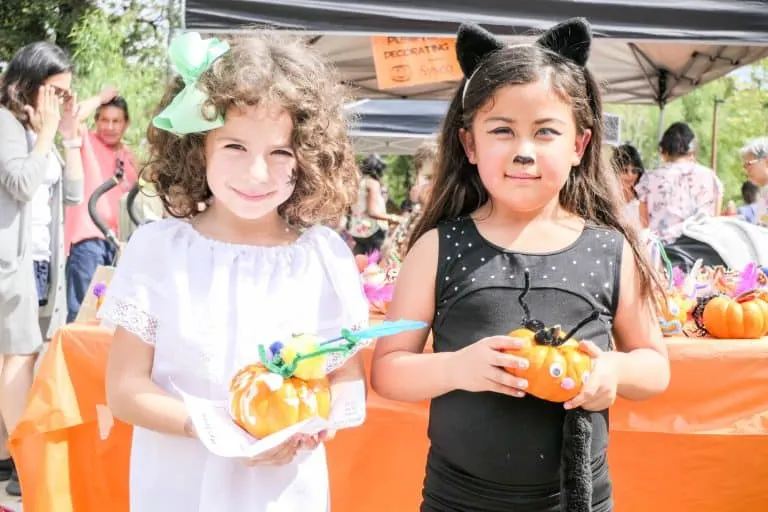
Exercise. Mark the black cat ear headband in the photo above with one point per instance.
(571, 40)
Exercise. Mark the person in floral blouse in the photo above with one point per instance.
(755, 157)
(679, 189)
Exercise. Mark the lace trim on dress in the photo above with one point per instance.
(131, 318)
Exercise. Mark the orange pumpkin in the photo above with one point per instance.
(555, 372)
(263, 402)
(557, 368)
(743, 317)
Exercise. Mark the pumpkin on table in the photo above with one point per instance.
(742, 317)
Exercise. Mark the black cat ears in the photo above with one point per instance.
(571, 39)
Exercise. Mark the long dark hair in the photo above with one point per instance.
(678, 140)
(373, 166)
(625, 156)
(26, 72)
(592, 190)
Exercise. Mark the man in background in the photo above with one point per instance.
(103, 153)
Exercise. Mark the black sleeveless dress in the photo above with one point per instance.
(491, 452)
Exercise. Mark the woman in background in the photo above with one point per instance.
(33, 192)
(628, 164)
(678, 190)
(369, 220)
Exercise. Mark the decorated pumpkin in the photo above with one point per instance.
(742, 317)
(289, 384)
(262, 402)
(673, 313)
(557, 367)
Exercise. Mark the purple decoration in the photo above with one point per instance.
(678, 277)
(99, 290)
(275, 348)
(374, 257)
(378, 293)
(749, 279)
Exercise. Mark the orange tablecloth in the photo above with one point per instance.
(702, 446)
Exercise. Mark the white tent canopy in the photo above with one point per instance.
(645, 52)
(631, 71)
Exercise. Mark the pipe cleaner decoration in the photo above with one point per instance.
(286, 359)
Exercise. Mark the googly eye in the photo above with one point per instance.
(556, 370)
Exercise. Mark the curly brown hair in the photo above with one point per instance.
(425, 153)
(265, 68)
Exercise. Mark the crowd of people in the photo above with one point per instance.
(662, 200)
(504, 203)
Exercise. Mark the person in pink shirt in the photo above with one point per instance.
(103, 152)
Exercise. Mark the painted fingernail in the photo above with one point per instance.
(522, 383)
(519, 394)
(523, 364)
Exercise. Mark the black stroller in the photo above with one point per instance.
(102, 189)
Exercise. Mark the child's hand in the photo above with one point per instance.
(311, 442)
(599, 392)
(277, 456)
(480, 367)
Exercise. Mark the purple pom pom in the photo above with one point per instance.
(275, 348)
(99, 290)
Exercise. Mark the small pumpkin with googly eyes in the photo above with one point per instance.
(557, 367)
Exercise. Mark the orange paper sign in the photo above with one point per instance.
(409, 61)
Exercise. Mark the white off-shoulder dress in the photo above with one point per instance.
(206, 306)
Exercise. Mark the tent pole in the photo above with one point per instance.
(661, 121)
(718, 102)
(662, 99)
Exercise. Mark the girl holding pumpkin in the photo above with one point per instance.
(249, 154)
(524, 221)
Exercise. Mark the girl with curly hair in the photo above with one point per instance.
(250, 155)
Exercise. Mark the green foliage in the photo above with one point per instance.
(27, 21)
(105, 55)
(399, 177)
(742, 116)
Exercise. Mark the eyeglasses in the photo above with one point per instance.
(62, 93)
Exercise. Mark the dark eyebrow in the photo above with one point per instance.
(509, 120)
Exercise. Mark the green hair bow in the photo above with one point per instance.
(190, 56)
